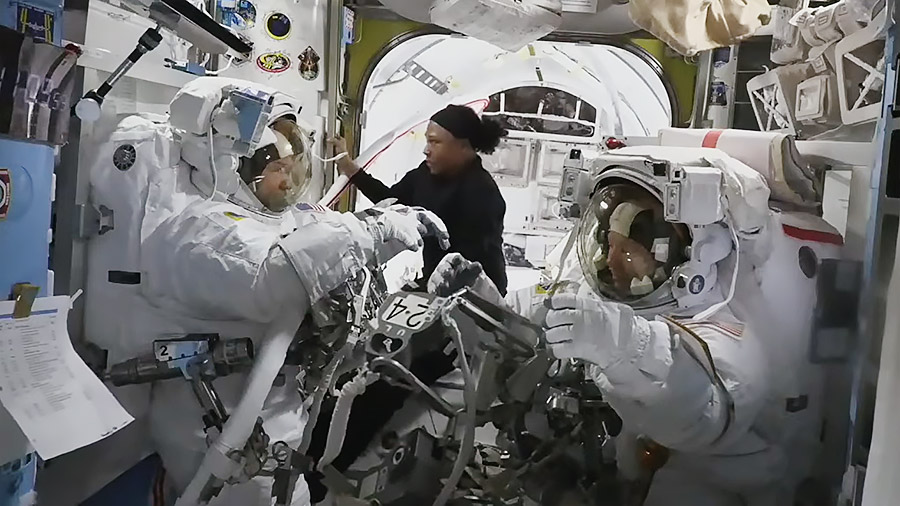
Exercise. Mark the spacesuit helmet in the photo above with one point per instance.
(279, 171)
(245, 141)
(626, 248)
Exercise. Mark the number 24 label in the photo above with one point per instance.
(411, 312)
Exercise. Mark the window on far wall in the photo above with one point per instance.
(545, 110)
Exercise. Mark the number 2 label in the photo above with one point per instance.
(415, 324)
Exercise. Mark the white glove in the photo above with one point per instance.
(429, 224)
(392, 231)
(452, 274)
(395, 228)
(602, 333)
(455, 272)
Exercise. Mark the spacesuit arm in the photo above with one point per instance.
(685, 388)
(211, 263)
(327, 249)
(705, 398)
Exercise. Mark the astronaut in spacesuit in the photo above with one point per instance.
(208, 239)
(695, 314)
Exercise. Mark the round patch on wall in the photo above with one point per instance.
(278, 25)
(696, 285)
(5, 193)
(309, 64)
(275, 62)
(124, 157)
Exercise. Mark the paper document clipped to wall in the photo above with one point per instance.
(57, 401)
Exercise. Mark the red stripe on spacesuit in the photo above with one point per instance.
(711, 139)
(813, 235)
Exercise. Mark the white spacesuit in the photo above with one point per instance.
(207, 239)
(696, 317)
(694, 308)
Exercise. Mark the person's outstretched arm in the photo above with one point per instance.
(372, 188)
(376, 191)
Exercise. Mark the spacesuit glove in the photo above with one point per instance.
(598, 332)
(455, 272)
(392, 231)
(429, 224)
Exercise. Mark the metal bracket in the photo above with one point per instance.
(91, 222)
(343, 109)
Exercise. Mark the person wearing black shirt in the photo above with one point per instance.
(452, 183)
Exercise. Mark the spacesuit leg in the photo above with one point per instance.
(673, 486)
(181, 466)
(258, 491)
(180, 441)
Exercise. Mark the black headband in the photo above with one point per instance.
(460, 121)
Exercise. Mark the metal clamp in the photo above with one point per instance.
(24, 295)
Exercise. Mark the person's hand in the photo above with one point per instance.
(588, 329)
(345, 164)
(338, 144)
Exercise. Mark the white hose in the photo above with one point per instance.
(241, 422)
(339, 418)
(223, 69)
(331, 369)
(335, 158)
(335, 190)
(319, 397)
(468, 443)
(212, 164)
